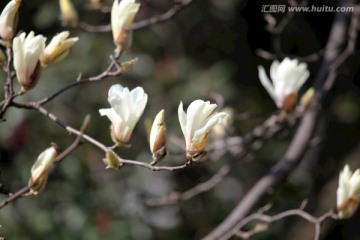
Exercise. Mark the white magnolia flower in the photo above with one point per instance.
(348, 192)
(26, 58)
(196, 123)
(8, 20)
(57, 49)
(122, 16)
(40, 168)
(126, 109)
(287, 78)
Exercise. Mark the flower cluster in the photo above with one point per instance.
(127, 107)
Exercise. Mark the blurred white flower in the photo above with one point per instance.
(26, 58)
(287, 78)
(196, 123)
(126, 109)
(348, 192)
(122, 16)
(69, 14)
(57, 49)
(39, 170)
(8, 20)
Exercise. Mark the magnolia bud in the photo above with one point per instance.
(39, 170)
(8, 20)
(307, 98)
(158, 137)
(112, 160)
(128, 65)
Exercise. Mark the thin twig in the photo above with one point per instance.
(267, 219)
(54, 118)
(79, 81)
(176, 197)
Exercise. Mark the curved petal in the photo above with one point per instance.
(354, 190)
(110, 113)
(265, 81)
(182, 119)
(194, 116)
(302, 79)
(211, 122)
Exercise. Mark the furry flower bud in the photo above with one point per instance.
(112, 160)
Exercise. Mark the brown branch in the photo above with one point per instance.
(313, 57)
(298, 145)
(8, 88)
(91, 28)
(54, 118)
(176, 197)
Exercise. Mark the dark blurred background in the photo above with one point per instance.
(208, 51)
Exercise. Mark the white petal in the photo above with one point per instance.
(265, 81)
(182, 119)
(355, 185)
(137, 94)
(110, 113)
(194, 115)
(302, 79)
(116, 91)
(211, 122)
(274, 71)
